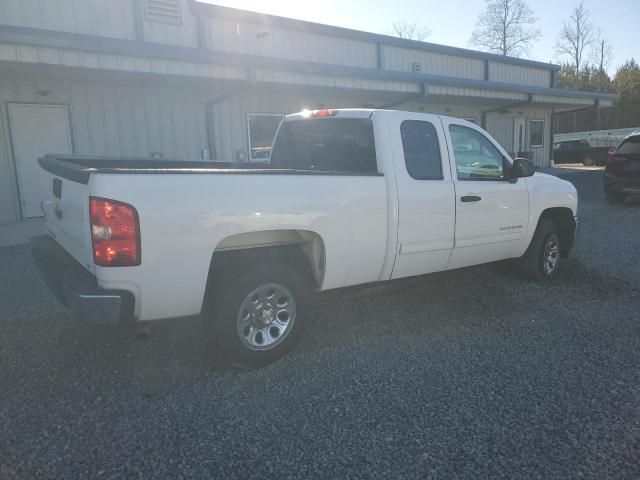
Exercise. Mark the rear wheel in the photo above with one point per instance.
(542, 259)
(259, 316)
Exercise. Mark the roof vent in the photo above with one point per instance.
(416, 67)
(164, 11)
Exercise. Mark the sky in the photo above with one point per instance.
(451, 21)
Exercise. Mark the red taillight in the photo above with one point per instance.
(115, 233)
(324, 113)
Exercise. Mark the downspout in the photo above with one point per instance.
(483, 118)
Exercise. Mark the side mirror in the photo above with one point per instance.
(522, 167)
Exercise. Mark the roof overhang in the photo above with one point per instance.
(256, 67)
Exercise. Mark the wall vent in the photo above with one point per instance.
(164, 11)
(416, 67)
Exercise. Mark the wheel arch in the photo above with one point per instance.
(303, 250)
(565, 222)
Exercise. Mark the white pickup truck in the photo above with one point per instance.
(350, 197)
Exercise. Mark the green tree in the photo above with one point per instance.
(627, 85)
(589, 78)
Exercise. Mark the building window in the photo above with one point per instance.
(421, 150)
(536, 133)
(164, 11)
(262, 128)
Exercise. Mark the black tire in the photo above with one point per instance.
(224, 314)
(535, 263)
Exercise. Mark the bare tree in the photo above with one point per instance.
(411, 31)
(505, 27)
(576, 35)
(602, 51)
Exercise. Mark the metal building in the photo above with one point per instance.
(180, 78)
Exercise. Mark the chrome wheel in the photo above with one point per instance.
(266, 316)
(551, 255)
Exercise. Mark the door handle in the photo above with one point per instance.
(470, 198)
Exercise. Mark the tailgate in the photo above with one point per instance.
(66, 214)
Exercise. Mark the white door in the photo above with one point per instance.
(35, 131)
(426, 197)
(492, 211)
(519, 130)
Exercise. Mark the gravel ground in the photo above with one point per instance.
(467, 374)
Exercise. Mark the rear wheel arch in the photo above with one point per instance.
(301, 250)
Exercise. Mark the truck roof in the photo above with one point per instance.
(355, 113)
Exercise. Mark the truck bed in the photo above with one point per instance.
(79, 168)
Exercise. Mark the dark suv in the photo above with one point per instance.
(572, 151)
(622, 171)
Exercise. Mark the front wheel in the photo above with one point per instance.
(542, 259)
(259, 317)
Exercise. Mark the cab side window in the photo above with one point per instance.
(475, 156)
(421, 150)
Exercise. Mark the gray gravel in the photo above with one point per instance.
(468, 374)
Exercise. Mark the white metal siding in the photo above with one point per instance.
(519, 75)
(184, 34)
(94, 60)
(108, 120)
(569, 101)
(226, 35)
(282, 76)
(402, 59)
(500, 125)
(108, 18)
(475, 92)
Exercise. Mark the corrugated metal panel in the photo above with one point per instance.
(108, 18)
(280, 76)
(474, 92)
(248, 38)
(552, 99)
(519, 75)
(108, 119)
(402, 59)
(184, 33)
(500, 125)
(73, 58)
(163, 11)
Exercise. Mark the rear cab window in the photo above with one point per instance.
(421, 150)
(326, 144)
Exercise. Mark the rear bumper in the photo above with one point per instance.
(625, 185)
(77, 289)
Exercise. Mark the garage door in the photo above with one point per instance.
(35, 131)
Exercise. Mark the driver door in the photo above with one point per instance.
(491, 211)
